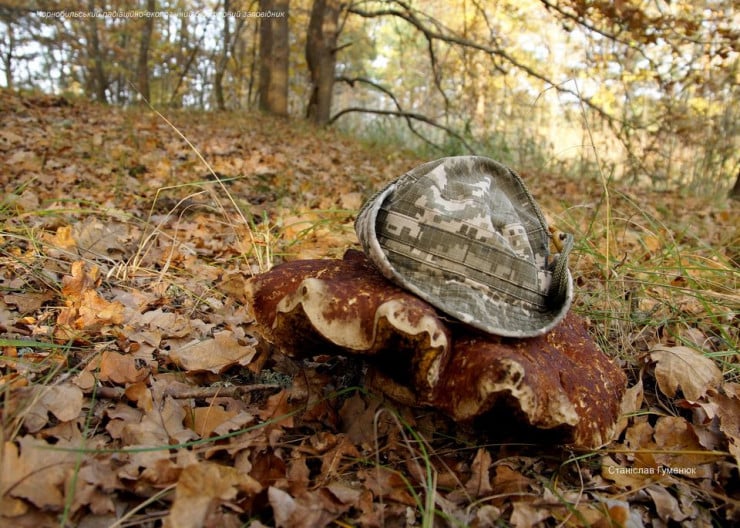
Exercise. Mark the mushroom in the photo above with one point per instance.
(305, 305)
(559, 380)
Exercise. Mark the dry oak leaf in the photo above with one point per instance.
(95, 311)
(666, 504)
(159, 429)
(310, 509)
(726, 405)
(631, 403)
(94, 486)
(28, 302)
(79, 281)
(681, 450)
(63, 238)
(509, 482)
(96, 238)
(89, 312)
(63, 401)
(31, 470)
(479, 484)
(85, 308)
(141, 394)
(214, 355)
(203, 487)
(120, 369)
(386, 483)
(203, 420)
(683, 367)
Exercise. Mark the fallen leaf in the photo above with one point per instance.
(479, 484)
(141, 394)
(727, 408)
(666, 504)
(95, 486)
(631, 403)
(28, 302)
(278, 410)
(358, 419)
(684, 457)
(386, 483)
(525, 514)
(162, 426)
(204, 486)
(333, 461)
(95, 311)
(203, 420)
(120, 369)
(214, 355)
(509, 482)
(683, 367)
(80, 280)
(100, 239)
(307, 510)
(63, 238)
(63, 401)
(33, 471)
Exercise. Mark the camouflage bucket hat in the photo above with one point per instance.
(465, 234)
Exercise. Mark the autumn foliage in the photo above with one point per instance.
(137, 390)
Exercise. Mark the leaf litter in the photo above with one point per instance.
(136, 391)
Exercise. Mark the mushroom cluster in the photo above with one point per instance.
(556, 381)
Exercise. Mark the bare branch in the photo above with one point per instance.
(591, 27)
(410, 115)
(409, 122)
(451, 38)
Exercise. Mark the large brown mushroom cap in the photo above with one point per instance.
(560, 380)
(304, 305)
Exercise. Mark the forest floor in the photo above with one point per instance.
(136, 391)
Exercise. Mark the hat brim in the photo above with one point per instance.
(476, 295)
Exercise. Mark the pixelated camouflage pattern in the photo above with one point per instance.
(464, 234)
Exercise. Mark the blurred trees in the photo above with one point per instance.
(321, 57)
(142, 65)
(670, 70)
(274, 53)
(526, 81)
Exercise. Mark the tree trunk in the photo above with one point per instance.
(274, 50)
(321, 48)
(218, 78)
(142, 66)
(8, 55)
(96, 82)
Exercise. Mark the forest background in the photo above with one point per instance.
(650, 86)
